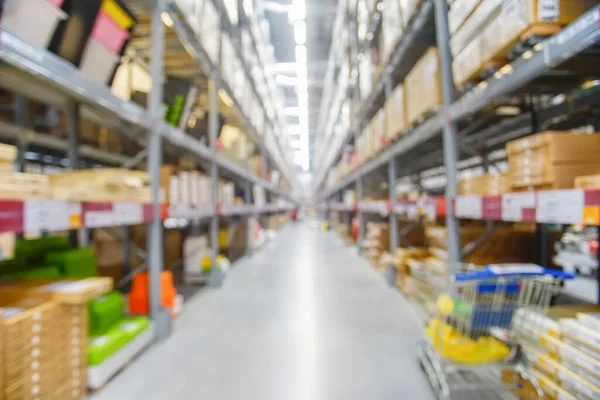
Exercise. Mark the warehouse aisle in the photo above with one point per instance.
(302, 319)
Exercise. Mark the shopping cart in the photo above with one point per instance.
(473, 350)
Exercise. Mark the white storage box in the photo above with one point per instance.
(98, 62)
(32, 20)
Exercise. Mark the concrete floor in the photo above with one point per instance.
(302, 319)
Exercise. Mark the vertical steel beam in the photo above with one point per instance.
(450, 130)
(248, 200)
(155, 260)
(73, 134)
(20, 112)
(126, 250)
(73, 156)
(393, 217)
(360, 214)
(216, 275)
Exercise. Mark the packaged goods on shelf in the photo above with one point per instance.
(226, 193)
(519, 19)
(572, 357)
(423, 87)
(21, 185)
(459, 12)
(210, 30)
(486, 11)
(552, 160)
(408, 9)
(484, 185)
(57, 316)
(551, 388)
(574, 382)
(395, 113)
(8, 153)
(468, 64)
(365, 77)
(587, 182)
(18, 17)
(108, 184)
(349, 198)
(378, 138)
(101, 30)
(392, 26)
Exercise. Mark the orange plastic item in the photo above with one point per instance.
(139, 300)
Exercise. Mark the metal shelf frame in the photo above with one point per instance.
(38, 74)
(572, 40)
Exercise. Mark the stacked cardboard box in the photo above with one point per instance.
(587, 182)
(484, 185)
(552, 160)
(484, 31)
(19, 185)
(395, 114)
(423, 87)
(44, 329)
(106, 184)
(563, 348)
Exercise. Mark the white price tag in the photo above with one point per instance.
(430, 211)
(99, 219)
(514, 203)
(469, 207)
(45, 215)
(560, 206)
(128, 213)
(412, 211)
(400, 209)
(548, 10)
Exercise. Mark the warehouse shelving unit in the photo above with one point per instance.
(39, 75)
(464, 126)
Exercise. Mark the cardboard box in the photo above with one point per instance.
(395, 113)
(552, 159)
(515, 17)
(31, 328)
(378, 132)
(460, 11)
(423, 87)
(486, 12)
(392, 27)
(468, 64)
(484, 185)
(107, 184)
(587, 182)
(8, 153)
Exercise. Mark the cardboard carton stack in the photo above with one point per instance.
(423, 87)
(563, 348)
(552, 160)
(44, 330)
(376, 241)
(106, 184)
(587, 182)
(395, 114)
(484, 31)
(484, 185)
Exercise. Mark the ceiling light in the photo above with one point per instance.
(301, 54)
(300, 32)
(298, 11)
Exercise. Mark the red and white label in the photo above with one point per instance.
(50, 215)
(518, 206)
